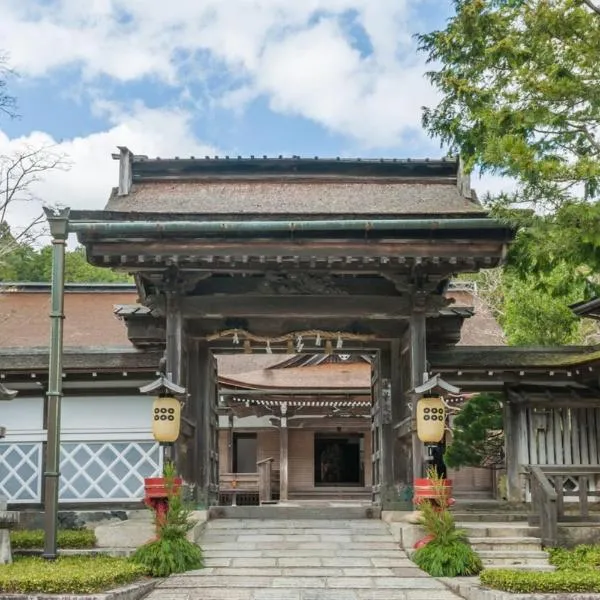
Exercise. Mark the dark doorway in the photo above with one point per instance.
(338, 460)
(244, 452)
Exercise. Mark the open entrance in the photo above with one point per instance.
(244, 452)
(339, 459)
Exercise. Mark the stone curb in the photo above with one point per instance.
(470, 589)
(135, 591)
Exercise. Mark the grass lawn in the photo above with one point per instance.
(577, 570)
(73, 574)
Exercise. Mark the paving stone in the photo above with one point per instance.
(347, 562)
(431, 595)
(391, 562)
(177, 581)
(298, 582)
(254, 562)
(312, 572)
(258, 539)
(278, 594)
(350, 583)
(329, 595)
(382, 595)
(369, 572)
(417, 583)
(304, 561)
(217, 562)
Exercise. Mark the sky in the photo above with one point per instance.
(214, 77)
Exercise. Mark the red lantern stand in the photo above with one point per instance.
(156, 494)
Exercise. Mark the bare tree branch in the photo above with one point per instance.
(8, 103)
(595, 8)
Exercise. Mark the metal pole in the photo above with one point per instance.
(59, 224)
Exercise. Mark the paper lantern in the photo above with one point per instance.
(166, 413)
(431, 420)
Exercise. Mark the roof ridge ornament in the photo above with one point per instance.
(6, 394)
(163, 386)
(433, 385)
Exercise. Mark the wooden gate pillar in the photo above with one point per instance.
(283, 454)
(418, 362)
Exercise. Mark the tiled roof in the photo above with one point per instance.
(298, 198)
(298, 186)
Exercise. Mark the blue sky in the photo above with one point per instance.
(196, 77)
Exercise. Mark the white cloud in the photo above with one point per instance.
(493, 184)
(93, 173)
(301, 55)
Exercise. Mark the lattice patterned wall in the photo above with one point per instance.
(107, 471)
(111, 471)
(21, 471)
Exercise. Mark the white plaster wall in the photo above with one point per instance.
(23, 418)
(107, 417)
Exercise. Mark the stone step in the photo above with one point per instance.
(497, 530)
(295, 525)
(489, 517)
(305, 594)
(187, 581)
(341, 552)
(291, 545)
(505, 543)
(326, 513)
(524, 567)
(509, 558)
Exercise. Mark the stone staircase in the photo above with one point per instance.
(502, 536)
(302, 559)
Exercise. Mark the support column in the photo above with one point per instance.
(283, 454)
(59, 227)
(174, 354)
(418, 360)
(388, 492)
(512, 442)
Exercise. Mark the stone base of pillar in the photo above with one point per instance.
(5, 550)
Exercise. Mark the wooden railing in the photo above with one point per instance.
(547, 485)
(262, 482)
(265, 480)
(543, 505)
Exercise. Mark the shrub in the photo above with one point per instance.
(73, 574)
(529, 582)
(580, 558)
(66, 538)
(449, 553)
(171, 552)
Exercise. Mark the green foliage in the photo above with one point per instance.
(580, 558)
(24, 263)
(520, 97)
(449, 553)
(67, 538)
(530, 582)
(171, 552)
(168, 555)
(478, 434)
(67, 575)
(520, 91)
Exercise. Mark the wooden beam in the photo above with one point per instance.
(302, 248)
(511, 450)
(303, 306)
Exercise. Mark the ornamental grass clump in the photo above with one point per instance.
(171, 551)
(68, 575)
(448, 553)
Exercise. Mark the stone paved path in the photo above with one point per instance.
(302, 560)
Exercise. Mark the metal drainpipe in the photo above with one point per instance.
(59, 225)
(191, 227)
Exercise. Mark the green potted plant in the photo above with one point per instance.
(171, 551)
(445, 551)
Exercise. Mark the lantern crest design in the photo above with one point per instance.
(431, 419)
(166, 419)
